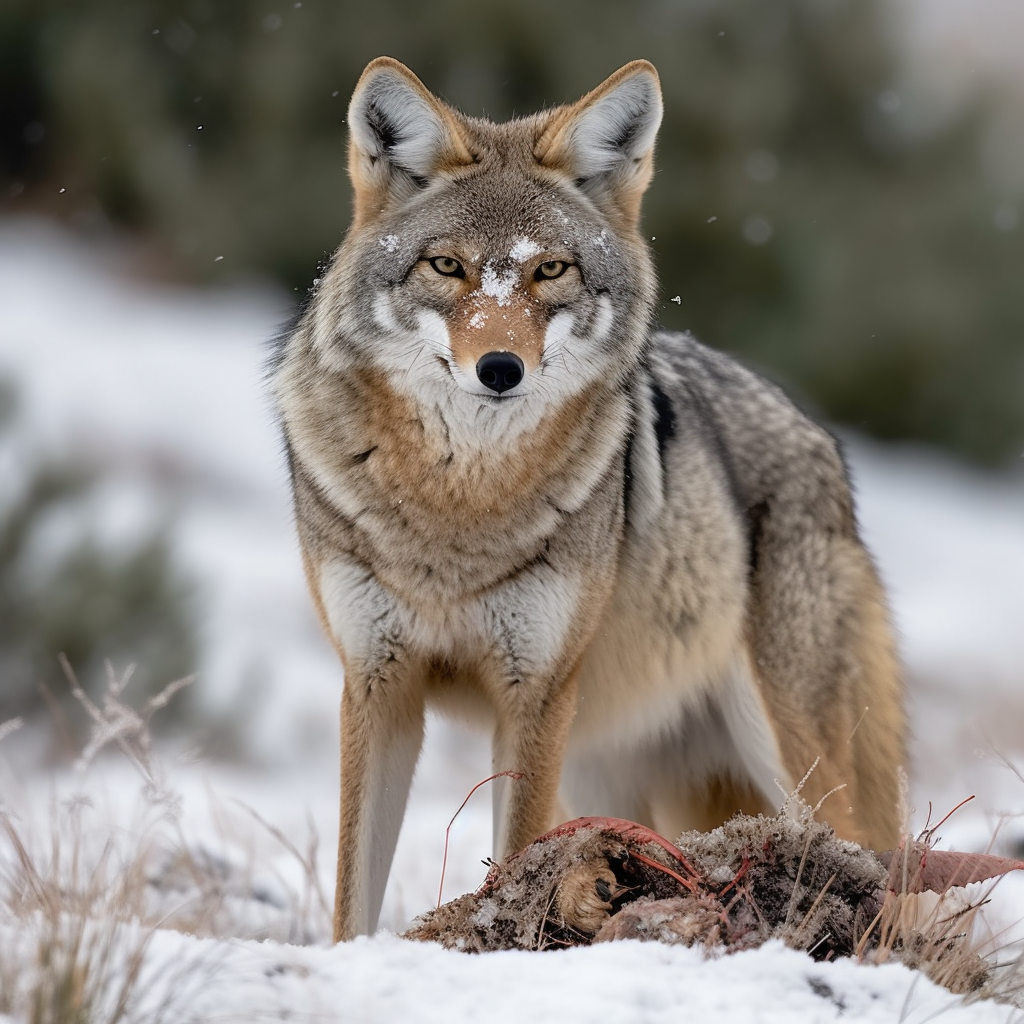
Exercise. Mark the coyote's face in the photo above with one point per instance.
(493, 270)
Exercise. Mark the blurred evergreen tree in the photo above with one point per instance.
(805, 212)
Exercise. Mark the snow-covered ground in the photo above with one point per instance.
(165, 387)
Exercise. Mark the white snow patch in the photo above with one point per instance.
(478, 319)
(495, 287)
(524, 249)
(389, 243)
(389, 979)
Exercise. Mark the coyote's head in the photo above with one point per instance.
(489, 263)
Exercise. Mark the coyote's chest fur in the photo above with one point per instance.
(514, 496)
(438, 519)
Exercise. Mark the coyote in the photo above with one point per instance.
(519, 502)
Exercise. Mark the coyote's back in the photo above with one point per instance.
(630, 558)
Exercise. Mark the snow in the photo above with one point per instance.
(165, 386)
(523, 249)
(497, 287)
(386, 978)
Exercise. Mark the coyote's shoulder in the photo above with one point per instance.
(630, 558)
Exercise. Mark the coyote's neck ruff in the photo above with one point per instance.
(630, 557)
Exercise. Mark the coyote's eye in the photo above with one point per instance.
(447, 266)
(550, 270)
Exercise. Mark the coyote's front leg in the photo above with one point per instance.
(534, 716)
(382, 716)
(381, 736)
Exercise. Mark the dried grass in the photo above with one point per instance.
(81, 899)
(944, 935)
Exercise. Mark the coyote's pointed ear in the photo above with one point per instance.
(606, 140)
(400, 135)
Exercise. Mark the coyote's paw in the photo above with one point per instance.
(583, 898)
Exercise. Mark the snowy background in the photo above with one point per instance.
(166, 385)
(162, 388)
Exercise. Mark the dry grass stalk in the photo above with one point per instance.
(74, 951)
(79, 910)
(939, 933)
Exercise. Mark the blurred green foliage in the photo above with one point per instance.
(79, 598)
(810, 216)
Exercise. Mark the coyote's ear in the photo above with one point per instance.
(606, 140)
(400, 135)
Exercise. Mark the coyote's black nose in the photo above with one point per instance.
(499, 371)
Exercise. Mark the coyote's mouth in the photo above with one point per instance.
(498, 399)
